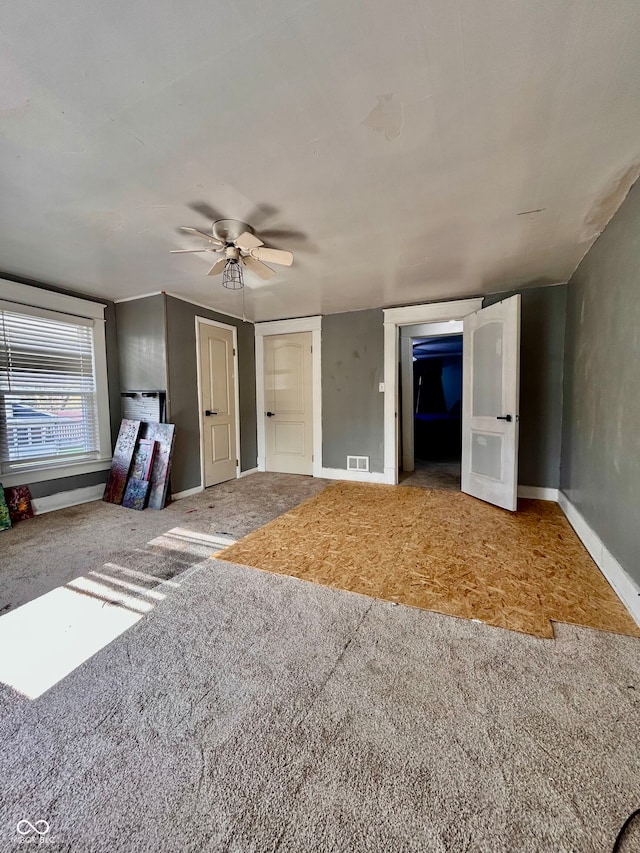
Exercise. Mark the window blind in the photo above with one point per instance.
(48, 400)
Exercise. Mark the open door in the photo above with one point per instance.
(490, 391)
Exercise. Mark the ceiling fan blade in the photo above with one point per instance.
(217, 267)
(260, 269)
(186, 251)
(260, 214)
(189, 230)
(274, 256)
(282, 234)
(248, 241)
(206, 210)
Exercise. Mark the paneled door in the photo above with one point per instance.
(288, 403)
(217, 403)
(490, 393)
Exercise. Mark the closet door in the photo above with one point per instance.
(288, 403)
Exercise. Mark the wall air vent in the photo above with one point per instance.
(357, 463)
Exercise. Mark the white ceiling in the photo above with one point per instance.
(402, 141)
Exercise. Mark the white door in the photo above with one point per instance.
(217, 403)
(490, 390)
(288, 403)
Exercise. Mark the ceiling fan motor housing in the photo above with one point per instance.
(228, 230)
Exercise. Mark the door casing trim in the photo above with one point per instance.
(288, 327)
(430, 312)
(236, 388)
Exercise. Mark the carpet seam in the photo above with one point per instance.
(337, 663)
(305, 772)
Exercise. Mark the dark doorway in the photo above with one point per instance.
(437, 411)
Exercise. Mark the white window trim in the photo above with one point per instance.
(26, 296)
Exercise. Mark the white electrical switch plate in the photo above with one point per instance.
(381, 387)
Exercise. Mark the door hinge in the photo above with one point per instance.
(234, 350)
(237, 463)
(311, 349)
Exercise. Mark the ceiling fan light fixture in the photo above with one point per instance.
(242, 248)
(232, 275)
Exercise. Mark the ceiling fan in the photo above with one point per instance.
(241, 249)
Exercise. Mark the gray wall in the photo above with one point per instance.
(63, 484)
(541, 369)
(67, 484)
(183, 390)
(352, 406)
(352, 367)
(113, 369)
(141, 344)
(601, 431)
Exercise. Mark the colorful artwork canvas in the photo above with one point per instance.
(164, 434)
(5, 518)
(19, 502)
(143, 458)
(136, 493)
(121, 462)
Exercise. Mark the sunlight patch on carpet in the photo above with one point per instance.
(43, 641)
(46, 639)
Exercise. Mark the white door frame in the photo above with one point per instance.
(287, 327)
(236, 389)
(430, 312)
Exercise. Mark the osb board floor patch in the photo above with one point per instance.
(442, 551)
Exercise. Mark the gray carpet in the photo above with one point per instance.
(41, 554)
(255, 712)
(433, 475)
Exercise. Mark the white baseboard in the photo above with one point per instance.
(61, 500)
(623, 585)
(248, 471)
(539, 493)
(355, 476)
(187, 493)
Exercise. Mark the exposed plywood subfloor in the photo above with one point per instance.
(441, 551)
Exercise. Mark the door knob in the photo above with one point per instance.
(270, 414)
(209, 412)
(507, 418)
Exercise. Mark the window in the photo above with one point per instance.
(53, 406)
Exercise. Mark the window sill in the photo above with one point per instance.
(28, 478)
